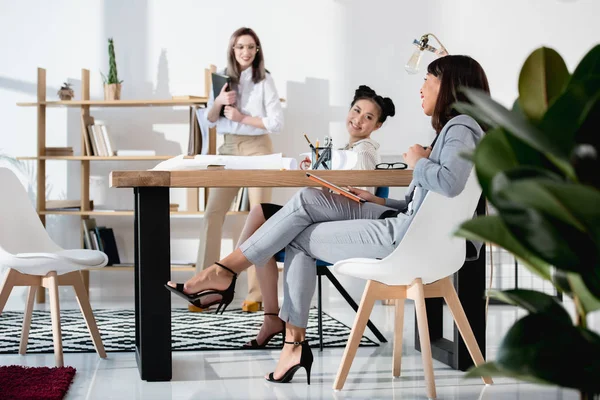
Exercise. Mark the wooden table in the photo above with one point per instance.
(152, 241)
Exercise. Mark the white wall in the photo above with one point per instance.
(318, 51)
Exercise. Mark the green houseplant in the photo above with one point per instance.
(112, 84)
(539, 168)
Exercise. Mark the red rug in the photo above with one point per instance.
(35, 383)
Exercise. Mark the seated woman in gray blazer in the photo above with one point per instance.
(316, 224)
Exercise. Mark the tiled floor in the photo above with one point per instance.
(239, 374)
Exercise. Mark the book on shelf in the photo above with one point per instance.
(85, 122)
(100, 143)
(173, 207)
(135, 152)
(245, 203)
(100, 238)
(195, 134)
(106, 139)
(97, 141)
(108, 244)
(93, 141)
(66, 205)
(59, 151)
(88, 225)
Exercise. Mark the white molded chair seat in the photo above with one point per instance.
(31, 258)
(420, 267)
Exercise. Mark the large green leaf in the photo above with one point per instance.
(491, 229)
(559, 222)
(517, 125)
(540, 347)
(537, 349)
(500, 152)
(567, 118)
(542, 79)
(533, 301)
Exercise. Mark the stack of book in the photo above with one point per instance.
(100, 238)
(241, 202)
(173, 207)
(97, 141)
(59, 151)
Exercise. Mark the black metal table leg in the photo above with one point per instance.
(319, 312)
(325, 271)
(152, 270)
(469, 282)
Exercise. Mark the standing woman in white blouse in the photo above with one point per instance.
(252, 112)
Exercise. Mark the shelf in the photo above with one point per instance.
(99, 213)
(117, 103)
(98, 158)
(181, 268)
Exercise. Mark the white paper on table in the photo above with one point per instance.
(340, 159)
(270, 161)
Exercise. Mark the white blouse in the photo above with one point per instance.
(254, 99)
(368, 157)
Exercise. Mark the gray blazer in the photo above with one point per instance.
(444, 172)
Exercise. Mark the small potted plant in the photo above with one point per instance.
(112, 84)
(65, 92)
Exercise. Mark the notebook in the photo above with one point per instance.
(218, 81)
(335, 188)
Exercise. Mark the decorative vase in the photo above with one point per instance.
(112, 91)
(65, 94)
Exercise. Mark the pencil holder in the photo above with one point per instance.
(320, 157)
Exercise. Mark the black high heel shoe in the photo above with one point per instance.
(196, 298)
(306, 360)
(253, 344)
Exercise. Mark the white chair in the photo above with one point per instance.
(33, 259)
(420, 267)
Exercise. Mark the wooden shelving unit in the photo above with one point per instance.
(85, 104)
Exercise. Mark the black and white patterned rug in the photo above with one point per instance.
(190, 331)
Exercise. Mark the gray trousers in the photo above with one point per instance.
(316, 224)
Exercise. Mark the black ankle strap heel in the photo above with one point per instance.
(196, 298)
(306, 361)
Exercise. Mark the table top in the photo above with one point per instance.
(256, 178)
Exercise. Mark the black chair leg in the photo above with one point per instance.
(325, 271)
(320, 312)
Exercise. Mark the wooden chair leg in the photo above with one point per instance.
(88, 315)
(424, 337)
(398, 330)
(464, 327)
(51, 282)
(27, 319)
(7, 284)
(360, 323)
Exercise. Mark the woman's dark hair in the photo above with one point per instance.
(258, 65)
(454, 72)
(386, 105)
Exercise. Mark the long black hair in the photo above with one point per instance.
(454, 72)
(386, 105)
